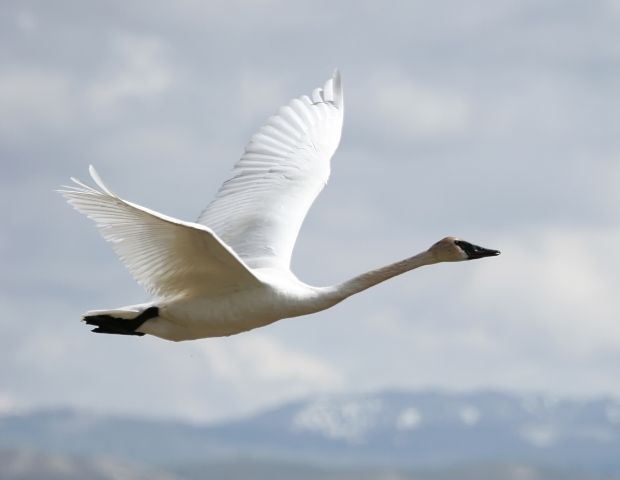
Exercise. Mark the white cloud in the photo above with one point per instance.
(564, 281)
(32, 99)
(26, 21)
(260, 94)
(412, 108)
(255, 358)
(7, 403)
(137, 68)
(43, 98)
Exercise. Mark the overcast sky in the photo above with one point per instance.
(496, 121)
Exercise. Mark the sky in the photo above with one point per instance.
(491, 120)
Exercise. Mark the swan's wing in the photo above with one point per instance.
(166, 256)
(259, 211)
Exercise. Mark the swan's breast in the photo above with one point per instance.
(278, 297)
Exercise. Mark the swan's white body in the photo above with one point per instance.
(229, 272)
(273, 298)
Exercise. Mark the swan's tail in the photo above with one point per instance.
(122, 321)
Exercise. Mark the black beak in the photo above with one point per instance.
(474, 251)
(480, 252)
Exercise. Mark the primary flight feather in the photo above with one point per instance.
(229, 272)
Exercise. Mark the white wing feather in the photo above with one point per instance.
(259, 211)
(168, 257)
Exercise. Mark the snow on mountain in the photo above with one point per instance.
(348, 419)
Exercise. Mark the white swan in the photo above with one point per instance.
(229, 271)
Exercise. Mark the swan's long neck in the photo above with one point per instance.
(339, 292)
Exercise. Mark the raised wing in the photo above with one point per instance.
(168, 257)
(259, 211)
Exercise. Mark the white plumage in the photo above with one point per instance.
(229, 272)
(259, 211)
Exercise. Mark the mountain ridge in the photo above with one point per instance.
(393, 427)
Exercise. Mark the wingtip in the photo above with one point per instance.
(339, 92)
(95, 176)
(336, 88)
(93, 173)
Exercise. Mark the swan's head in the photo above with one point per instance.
(452, 249)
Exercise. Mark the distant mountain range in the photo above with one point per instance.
(423, 430)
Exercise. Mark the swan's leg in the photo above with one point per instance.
(121, 326)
